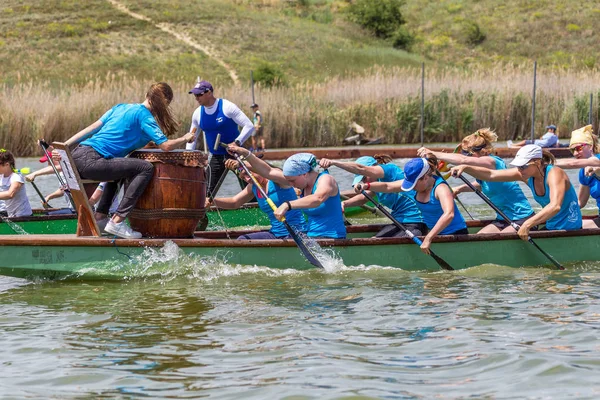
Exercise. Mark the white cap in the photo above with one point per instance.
(526, 153)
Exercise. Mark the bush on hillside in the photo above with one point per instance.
(473, 33)
(382, 17)
(269, 75)
(402, 39)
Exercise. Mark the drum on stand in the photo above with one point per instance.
(174, 201)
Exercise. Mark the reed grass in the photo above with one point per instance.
(384, 101)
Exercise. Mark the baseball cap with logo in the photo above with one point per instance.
(201, 87)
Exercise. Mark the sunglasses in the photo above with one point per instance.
(578, 148)
(201, 94)
(524, 167)
(472, 150)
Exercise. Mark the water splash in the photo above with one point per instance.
(329, 258)
(18, 230)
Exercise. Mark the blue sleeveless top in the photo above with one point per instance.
(569, 216)
(279, 195)
(215, 124)
(508, 196)
(593, 182)
(326, 220)
(432, 212)
(403, 206)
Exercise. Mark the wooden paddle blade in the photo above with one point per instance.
(303, 247)
(443, 264)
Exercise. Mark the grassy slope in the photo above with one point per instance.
(59, 40)
(559, 32)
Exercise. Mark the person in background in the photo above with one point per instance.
(585, 148)
(432, 195)
(476, 150)
(319, 197)
(12, 187)
(549, 139)
(549, 185)
(258, 129)
(279, 194)
(217, 116)
(102, 147)
(381, 169)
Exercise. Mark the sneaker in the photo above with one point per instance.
(509, 143)
(102, 223)
(122, 230)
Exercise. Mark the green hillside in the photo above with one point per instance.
(74, 41)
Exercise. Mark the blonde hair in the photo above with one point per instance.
(383, 158)
(482, 139)
(159, 97)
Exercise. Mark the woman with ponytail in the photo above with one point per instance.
(476, 150)
(380, 169)
(549, 185)
(432, 196)
(102, 147)
(586, 150)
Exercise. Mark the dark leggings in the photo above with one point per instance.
(135, 174)
(417, 229)
(262, 235)
(217, 169)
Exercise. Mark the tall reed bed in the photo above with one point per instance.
(386, 102)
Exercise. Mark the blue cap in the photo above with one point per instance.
(551, 127)
(299, 163)
(413, 171)
(367, 161)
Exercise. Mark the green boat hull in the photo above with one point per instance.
(66, 256)
(247, 216)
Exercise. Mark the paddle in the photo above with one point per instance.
(44, 202)
(514, 225)
(441, 262)
(365, 207)
(297, 238)
(44, 145)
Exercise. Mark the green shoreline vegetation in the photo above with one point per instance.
(63, 65)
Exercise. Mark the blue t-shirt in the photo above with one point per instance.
(569, 216)
(508, 196)
(280, 195)
(125, 128)
(432, 211)
(403, 206)
(326, 220)
(593, 182)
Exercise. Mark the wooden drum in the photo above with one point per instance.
(174, 200)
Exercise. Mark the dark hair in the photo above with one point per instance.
(159, 97)
(548, 158)
(7, 157)
(433, 163)
(383, 158)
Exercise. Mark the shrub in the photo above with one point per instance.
(269, 75)
(474, 34)
(382, 17)
(402, 39)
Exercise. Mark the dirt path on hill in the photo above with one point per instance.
(170, 29)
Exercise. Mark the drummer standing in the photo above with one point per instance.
(104, 144)
(217, 116)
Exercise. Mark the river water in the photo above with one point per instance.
(213, 330)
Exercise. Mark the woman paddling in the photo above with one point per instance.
(550, 187)
(433, 198)
(476, 151)
(278, 193)
(320, 194)
(585, 148)
(12, 187)
(380, 169)
(104, 144)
